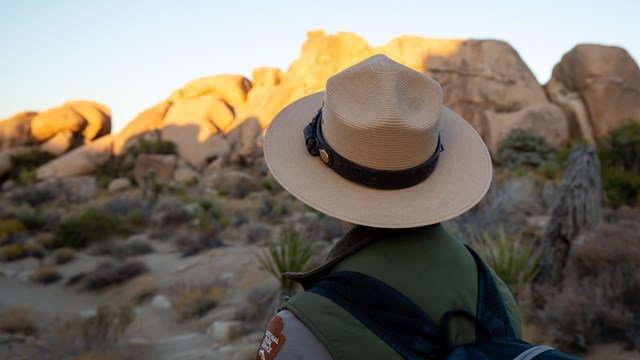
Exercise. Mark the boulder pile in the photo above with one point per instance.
(219, 120)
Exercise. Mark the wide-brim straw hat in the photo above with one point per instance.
(389, 154)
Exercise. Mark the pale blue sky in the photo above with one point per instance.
(132, 54)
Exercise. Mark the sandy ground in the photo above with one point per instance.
(155, 332)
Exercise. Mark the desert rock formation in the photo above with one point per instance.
(220, 119)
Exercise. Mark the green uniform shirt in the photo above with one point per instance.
(428, 265)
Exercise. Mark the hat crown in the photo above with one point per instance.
(382, 115)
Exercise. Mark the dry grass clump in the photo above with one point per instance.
(141, 289)
(46, 274)
(63, 255)
(18, 320)
(192, 301)
(9, 228)
(89, 336)
(600, 297)
(13, 252)
(110, 273)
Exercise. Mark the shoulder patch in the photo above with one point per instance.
(272, 340)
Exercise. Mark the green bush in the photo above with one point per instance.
(116, 166)
(90, 227)
(32, 220)
(160, 147)
(523, 147)
(619, 153)
(23, 166)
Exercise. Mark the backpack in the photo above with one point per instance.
(411, 333)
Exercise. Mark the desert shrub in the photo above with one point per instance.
(600, 297)
(46, 274)
(79, 336)
(142, 288)
(619, 153)
(513, 259)
(36, 195)
(160, 147)
(191, 301)
(92, 226)
(114, 167)
(63, 255)
(32, 220)
(124, 205)
(135, 248)
(23, 166)
(13, 252)
(34, 249)
(109, 274)
(288, 253)
(192, 243)
(18, 320)
(523, 147)
(9, 228)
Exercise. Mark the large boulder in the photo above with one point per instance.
(191, 125)
(477, 76)
(16, 130)
(321, 56)
(606, 79)
(146, 126)
(545, 119)
(88, 118)
(159, 166)
(59, 143)
(80, 161)
(48, 123)
(231, 89)
(6, 154)
(97, 116)
(247, 142)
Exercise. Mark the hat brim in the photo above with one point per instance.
(459, 181)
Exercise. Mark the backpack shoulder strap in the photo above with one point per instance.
(386, 312)
(490, 309)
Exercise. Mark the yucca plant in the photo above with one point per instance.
(288, 254)
(515, 261)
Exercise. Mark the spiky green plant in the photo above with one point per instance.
(288, 254)
(514, 260)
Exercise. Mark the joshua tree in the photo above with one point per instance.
(577, 208)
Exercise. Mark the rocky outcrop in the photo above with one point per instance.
(546, 119)
(59, 144)
(16, 130)
(157, 166)
(602, 81)
(219, 120)
(146, 126)
(232, 89)
(80, 161)
(191, 124)
(477, 76)
(6, 154)
(87, 119)
(97, 118)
